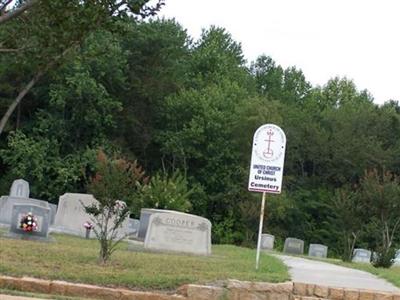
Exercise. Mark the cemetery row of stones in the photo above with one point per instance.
(157, 230)
(296, 246)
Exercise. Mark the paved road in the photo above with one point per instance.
(316, 272)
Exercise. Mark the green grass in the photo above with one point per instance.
(75, 260)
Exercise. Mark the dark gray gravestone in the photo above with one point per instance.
(267, 241)
(361, 256)
(133, 227)
(318, 250)
(293, 246)
(7, 202)
(145, 214)
(53, 212)
(42, 214)
(20, 188)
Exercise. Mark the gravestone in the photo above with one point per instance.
(361, 256)
(133, 227)
(145, 214)
(20, 189)
(293, 246)
(42, 214)
(178, 232)
(267, 241)
(317, 250)
(53, 212)
(7, 202)
(71, 215)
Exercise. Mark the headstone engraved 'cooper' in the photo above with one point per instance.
(267, 241)
(42, 215)
(293, 246)
(318, 250)
(145, 214)
(178, 232)
(20, 188)
(361, 256)
(71, 216)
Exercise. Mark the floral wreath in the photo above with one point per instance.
(28, 223)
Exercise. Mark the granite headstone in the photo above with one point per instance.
(71, 215)
(145, 214)
(318, 250)
(178, 232)
(361, 256)
(133, 227)
(267, 241)
(293, 246)
(42, 214)
(20, 188)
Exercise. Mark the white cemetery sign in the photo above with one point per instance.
(266, 167)
(178, 232)
(267, 158)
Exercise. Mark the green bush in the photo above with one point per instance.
(166, 192)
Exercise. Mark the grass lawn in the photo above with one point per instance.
(75, 259)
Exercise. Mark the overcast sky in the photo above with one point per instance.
(358, 39)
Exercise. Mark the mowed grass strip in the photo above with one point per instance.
(75, 259)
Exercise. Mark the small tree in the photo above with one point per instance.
(115, 179)
(380, 192)
(349, 221)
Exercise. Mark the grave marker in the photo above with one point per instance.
(318, 250)
(178, 232)
(42, 214)
(20, 188)
(293, 246)
(267, 241)
(361, 256)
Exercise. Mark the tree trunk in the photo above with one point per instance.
(17, 100)
(16, 12)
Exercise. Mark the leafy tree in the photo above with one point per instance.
(381, 195)
(349, 216)
(114, 180)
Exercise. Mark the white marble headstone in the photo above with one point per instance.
(267, 241)
(20, 189)
(318, 250)
(7, 202)
(178, 232)
(293, 246)
(361, 256)
(71, 215)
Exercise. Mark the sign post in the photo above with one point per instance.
(266, 168)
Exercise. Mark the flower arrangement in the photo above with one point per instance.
(88, 225)
(28, 223)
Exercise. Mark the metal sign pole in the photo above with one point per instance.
(260, 229)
